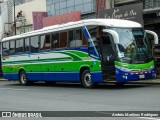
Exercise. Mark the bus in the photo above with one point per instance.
(87, 51)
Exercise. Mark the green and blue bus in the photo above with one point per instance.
(88, 51)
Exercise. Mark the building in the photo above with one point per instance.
(29, 14)
(150, 13)
(33, 16)
(24, 15)
(56, 7)
(3, 18)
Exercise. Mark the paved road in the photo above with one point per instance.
(72, 97)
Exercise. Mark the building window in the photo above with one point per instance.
(151, 4)
(56, 7)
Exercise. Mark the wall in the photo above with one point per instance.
(3, 18)
(29, 7)
(62, 18)
(38, 19)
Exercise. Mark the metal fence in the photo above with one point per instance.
(151, 4)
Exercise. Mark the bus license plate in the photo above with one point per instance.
(141, 76)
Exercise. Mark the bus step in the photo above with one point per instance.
(109, 80)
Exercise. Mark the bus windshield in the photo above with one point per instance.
(133, 45)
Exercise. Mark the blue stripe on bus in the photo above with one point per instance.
(55, 76)
(85, 31)
(11, 76)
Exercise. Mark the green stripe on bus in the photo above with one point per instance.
(134, 66)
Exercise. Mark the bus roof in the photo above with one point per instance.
(70, 25)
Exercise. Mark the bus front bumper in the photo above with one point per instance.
(123, 76)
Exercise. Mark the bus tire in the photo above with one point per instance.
(23, 78)
(86, 79)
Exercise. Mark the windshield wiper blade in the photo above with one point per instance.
(145, 54)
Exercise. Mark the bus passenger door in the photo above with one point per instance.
(107, 56)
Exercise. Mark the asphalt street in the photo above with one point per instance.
(73, 97)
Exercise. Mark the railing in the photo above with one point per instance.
(151, 4)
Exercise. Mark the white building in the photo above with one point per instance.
(3, 18)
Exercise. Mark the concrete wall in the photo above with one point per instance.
(3, 18)
(29, 7)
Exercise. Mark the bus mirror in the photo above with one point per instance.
(114, 35)
(154, 35)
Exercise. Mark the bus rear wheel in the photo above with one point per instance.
(23, 78)
(86, 79)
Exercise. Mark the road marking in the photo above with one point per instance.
(149, 118)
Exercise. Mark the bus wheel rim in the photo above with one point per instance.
(87, 79)
(23, 78)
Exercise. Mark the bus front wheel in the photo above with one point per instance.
(23, 78)
(86, 79)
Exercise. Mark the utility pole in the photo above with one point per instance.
(14, 17)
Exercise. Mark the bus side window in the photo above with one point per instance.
(63, 39)
(55, 40)
(45, 42)
(34, 44)
(72, 43)
(19, 46)
(5, 49)
(26, 45)
(12, 47)
(84, 41)
(78, 38)
(92, 30)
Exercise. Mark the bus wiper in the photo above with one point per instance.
(137, 51)
(145, 53)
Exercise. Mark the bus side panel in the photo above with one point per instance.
(54, 66)
(54, 76)
(34, 76)
(68, 76)
(97, 77)
(11, 76)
